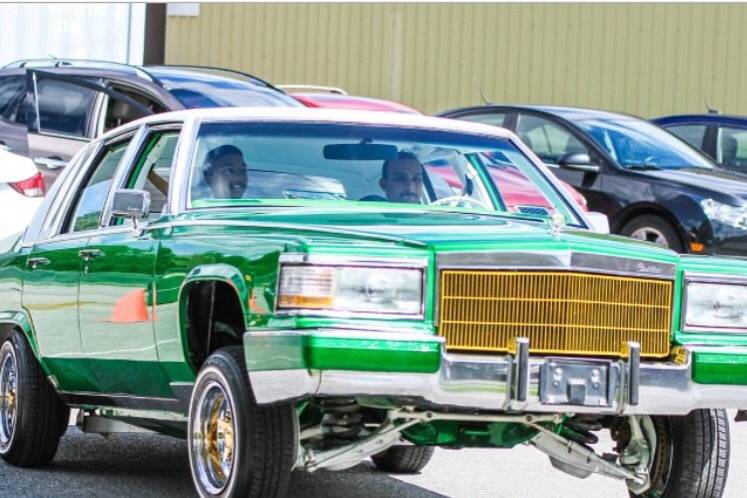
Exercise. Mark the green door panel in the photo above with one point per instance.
(117, 311)
(50, 296)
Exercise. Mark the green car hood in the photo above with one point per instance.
(439, 230)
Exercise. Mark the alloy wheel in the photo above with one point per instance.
(650, 234)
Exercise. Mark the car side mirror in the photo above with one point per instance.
(578, 161)
(599, 222)
(131, 204)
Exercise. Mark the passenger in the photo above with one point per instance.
(402, 178)
(226, 172)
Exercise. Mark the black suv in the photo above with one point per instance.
(50, 108)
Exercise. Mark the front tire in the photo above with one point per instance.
(32, 416)
(237, 448)
(403, 459)
(692, 456)
(656, 229)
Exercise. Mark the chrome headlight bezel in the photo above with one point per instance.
(341, 263)
(727, 282)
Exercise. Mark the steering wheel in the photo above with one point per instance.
(459, 201)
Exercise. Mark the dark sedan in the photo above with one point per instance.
(722, 137)
(650, 184)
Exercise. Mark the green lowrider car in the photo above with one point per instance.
(304, 289)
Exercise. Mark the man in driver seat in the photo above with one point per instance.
(226, 172)
(402, 178)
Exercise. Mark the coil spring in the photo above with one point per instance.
(341, 417)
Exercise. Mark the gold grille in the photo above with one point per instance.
(560, 312)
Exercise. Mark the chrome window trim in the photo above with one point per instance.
(125, 165)
(180, 176)
(301, 259)
(708, 278)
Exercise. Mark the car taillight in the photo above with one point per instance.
(31, 187)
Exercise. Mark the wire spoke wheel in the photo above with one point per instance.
(8, 395)
(213, 442)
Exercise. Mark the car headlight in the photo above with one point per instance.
(716, 305)
(735, 216)
(396, 291)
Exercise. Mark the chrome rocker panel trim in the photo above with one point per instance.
(507, 383)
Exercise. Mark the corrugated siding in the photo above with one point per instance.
(647, 59)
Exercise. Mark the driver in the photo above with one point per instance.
(402, 178)
(226, 172)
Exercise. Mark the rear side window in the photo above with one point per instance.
(731, 148)
(494, 118)
(12, 90)
(547, 139)
(64, 107)
(90, 204)
(691, 133)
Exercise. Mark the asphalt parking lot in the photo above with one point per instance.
(146, 465)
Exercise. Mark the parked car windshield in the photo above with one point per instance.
(197, 90)
(634, 143)
(280, 163)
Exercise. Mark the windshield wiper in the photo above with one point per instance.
(642, 166)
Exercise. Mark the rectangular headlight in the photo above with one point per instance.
(716, 305)
(356, 289)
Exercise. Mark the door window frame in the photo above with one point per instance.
(94, 114)
(125, 170)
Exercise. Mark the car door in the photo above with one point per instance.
(12, 95)
(551, 139)
(65, 113)
(51, 284)
(117, 296)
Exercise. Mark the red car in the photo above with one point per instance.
(516, 189)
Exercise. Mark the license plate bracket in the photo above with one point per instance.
(578, 382)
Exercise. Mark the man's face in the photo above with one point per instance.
(404, 181)
(228, 177)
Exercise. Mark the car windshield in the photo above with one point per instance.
(253, 163)
(636, 144)
(197, 90)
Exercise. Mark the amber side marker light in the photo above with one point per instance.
(696, 247)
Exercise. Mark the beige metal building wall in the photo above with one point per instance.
(647, 59)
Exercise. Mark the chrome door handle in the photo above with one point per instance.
(35, 263)
(89, 254)
(50, 162)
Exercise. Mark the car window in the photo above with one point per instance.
(492, 118)
(92, 195)
(278, 164)
(690, 133)
(637, 144)
(547, 139)
(49, 212)
(153, 169)
(731, 148)
(64, 107)
(119, 112)
(12, 89)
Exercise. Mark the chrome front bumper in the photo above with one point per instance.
(508, 383)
